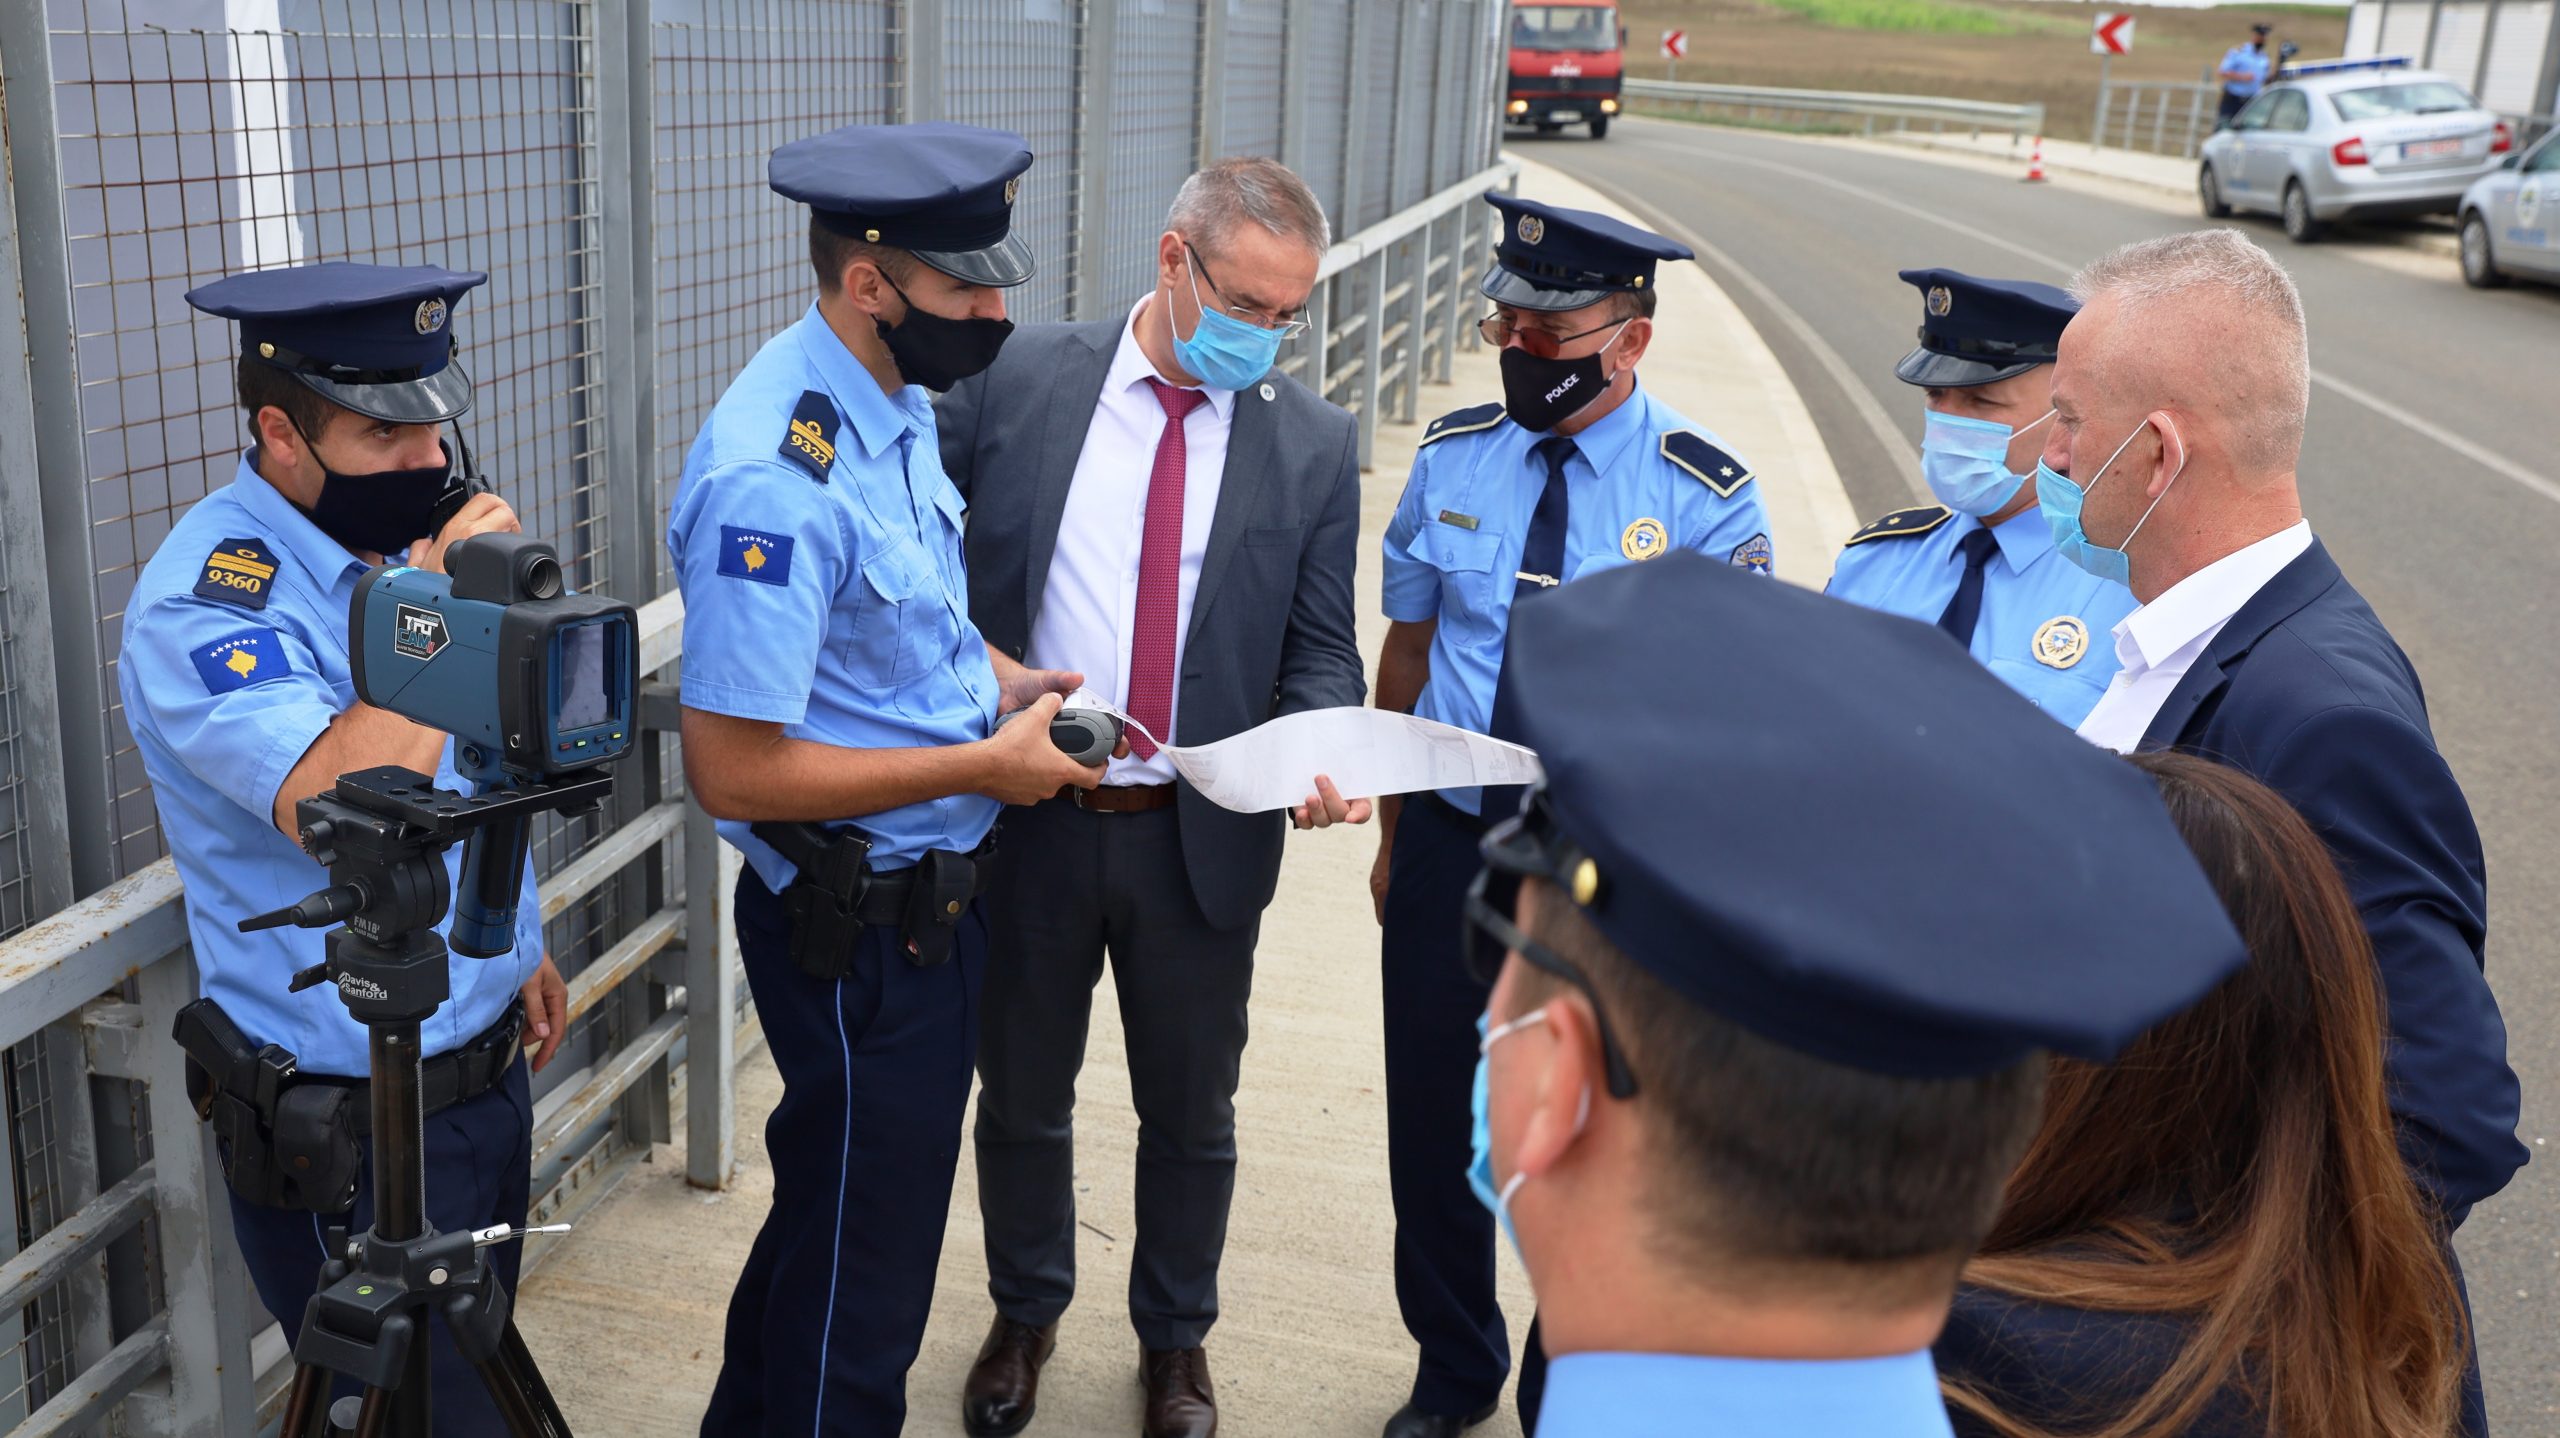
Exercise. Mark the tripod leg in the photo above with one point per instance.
(521, 1394)
(373, 1420)
(306, 1412)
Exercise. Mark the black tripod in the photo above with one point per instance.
(382, 834)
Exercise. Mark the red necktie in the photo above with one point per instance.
(1160, 575)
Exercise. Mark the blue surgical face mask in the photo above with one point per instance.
(2061, 500)
(1966, 462)
(1480, 1165)
(1223, 352)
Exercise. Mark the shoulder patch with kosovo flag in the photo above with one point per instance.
(238, 572)
(1690, 450)
(252, 656)
(1905, 523)
(811, 441)
(756, 554)
(1465, 421)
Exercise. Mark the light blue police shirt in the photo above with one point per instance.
(1660, 1395)
(234, 661)
(1642, 481)
(2046, 627)
(2257, 62)
(818, 544)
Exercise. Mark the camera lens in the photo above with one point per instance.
(541, 577)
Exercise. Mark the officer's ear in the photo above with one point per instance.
(868, 289)
(1634, 341)
(1571, 1075)
(276, 433)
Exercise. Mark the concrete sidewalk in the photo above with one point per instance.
(626, 1317)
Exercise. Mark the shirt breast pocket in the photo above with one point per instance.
(890, 623)
(1466, 560)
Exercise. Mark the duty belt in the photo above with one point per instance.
(454, 1076)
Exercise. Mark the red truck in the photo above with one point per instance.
(1567, 59)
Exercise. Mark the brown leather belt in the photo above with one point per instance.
(1122, 798)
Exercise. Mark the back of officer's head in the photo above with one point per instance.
(1787, 1046)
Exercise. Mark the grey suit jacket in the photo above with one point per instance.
(1271, 628)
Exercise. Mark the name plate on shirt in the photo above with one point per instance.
(1463, 521)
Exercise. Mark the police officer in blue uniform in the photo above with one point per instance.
(236, 685)
(1981, 563)
(1578, 470)
(841, 721)
(1758, 1057)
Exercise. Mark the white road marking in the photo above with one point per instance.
(2425, 428)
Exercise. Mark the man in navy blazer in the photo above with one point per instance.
(2182, 390)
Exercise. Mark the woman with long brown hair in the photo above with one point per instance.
(2215, 1234)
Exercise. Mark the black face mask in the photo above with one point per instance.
(383, 512)
(936, 352)
(1540, 394)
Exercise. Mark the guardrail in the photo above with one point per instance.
(2165, 117)
(1406, 312)
(2023, 122)
(107, 977)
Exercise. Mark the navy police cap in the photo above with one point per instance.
(1549, 258)
(1974, 331)
(1835, 829)
(940, 191)
(377, 339)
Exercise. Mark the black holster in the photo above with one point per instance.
(283, 1144)
(825, 899)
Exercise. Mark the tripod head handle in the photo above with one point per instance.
(333, 905)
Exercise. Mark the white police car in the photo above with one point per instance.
(2511, 219)
(2351, 139)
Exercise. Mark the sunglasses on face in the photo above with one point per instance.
(1498, 331)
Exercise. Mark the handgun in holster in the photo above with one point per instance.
(824, 899)
(284, 1144)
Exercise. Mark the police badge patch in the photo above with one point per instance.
(2060, 641)
(1753, 554)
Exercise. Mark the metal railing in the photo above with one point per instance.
(1845, 110)
(2164, 117)
(1391, 304)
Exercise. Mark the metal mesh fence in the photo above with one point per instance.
(1381, 40)
(1250, 89)
(1327, 48)
(1155, 93)
(731, 80)
(1014, 65)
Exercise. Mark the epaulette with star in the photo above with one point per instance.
(1690, 450)
(1905, 523)
(1464, 421)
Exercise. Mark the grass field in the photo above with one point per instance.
(2012, 51)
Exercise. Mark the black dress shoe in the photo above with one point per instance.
(1412, 1422)
(1004, 1384)
(1180, 1401)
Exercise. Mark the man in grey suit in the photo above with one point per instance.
(1151, 504)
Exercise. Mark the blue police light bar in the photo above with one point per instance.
(2345, 67)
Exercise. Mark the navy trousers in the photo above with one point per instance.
(478, 1157)
(875, 1067)
(1444, 1237)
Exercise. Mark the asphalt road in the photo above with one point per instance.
(2430, 471)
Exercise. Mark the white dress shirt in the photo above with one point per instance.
(1089, 604)
(2160, 642)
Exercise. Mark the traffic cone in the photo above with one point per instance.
(2035, 163)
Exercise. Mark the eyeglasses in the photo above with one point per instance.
(1498, 331)
(1490, 935)
(1286, 329)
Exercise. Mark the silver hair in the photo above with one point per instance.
(1213, 202)
(2242, 321)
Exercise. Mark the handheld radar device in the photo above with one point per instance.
(533, 683)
